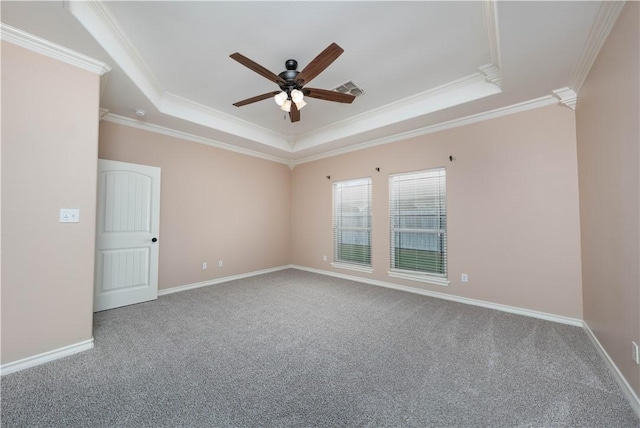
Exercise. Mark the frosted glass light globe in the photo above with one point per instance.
(281, 98)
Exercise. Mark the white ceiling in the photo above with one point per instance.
(420, 63)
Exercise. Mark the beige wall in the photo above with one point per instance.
(49, 151)
(609, 172)
(215, 205)
(512, 202)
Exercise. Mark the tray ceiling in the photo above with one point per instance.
(421, 64)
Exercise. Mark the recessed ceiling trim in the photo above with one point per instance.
(602, 24)
(103, 26)
(103, 112)
(490, 10)
(467, 120)
(121, 120)
(459, 91)
(491, 74)
(566, 97)
(183, 108)
(51, 50)
(479, 117)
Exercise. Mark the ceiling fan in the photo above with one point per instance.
(292, 82)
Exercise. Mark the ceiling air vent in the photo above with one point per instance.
(350, 88)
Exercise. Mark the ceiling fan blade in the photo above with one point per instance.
(255, 99)
(252, 65)
(323, 94)
(319, 63)
(294, 114)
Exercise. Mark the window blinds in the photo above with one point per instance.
(352, 222)
(418, 214)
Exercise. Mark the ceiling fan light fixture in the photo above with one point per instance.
(296, 96)
(292, 83)
(286, 106)
(280, 98)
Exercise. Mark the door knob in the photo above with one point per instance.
(154, 239)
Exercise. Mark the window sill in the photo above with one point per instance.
(365, 269)
(420, 278)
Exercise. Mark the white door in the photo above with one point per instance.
(127, 240)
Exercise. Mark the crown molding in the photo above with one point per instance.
(102, 113)
(491, 114)
(566, 97)
(184, 108)
(96, 18)
(51, 50)
(457, 92)
(490, 11)
(121, 120)
(103, 26)
(603, 23)
(491, 74)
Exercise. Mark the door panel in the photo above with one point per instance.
(128, 219)
(124, 268)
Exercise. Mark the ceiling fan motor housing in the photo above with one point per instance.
(290, 75)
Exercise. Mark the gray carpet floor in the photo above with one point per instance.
(294, 348)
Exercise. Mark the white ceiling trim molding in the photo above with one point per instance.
(183, 108)
(491, 74)
(454, 93)
(102, 113)
(96, 18)
(102, 25)
(121, 120)
(566, 97)
(479, 117)
(603, 23)
(52, 50)
(490, 11)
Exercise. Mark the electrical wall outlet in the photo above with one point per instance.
(324, 258)
(635, 353)
(219, 263)
(204, 266)
(464, 277)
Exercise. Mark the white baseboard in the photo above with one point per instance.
(88, 344)
(504, 308)
(186, 287)
(622, 382)
(46, 357)
(624, 385)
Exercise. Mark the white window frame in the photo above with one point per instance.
(395, 181)
(337, 227)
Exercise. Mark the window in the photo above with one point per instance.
(418, 214)
(352, 224)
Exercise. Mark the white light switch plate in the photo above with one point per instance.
(69, 215)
